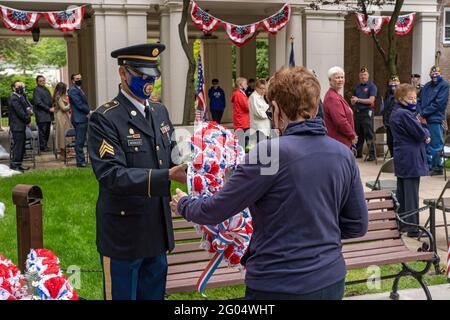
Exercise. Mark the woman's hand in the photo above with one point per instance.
(427, 140)
(174, 203)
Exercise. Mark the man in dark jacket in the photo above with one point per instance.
(43, 111)
(19, 118)
(431, 111)
(80, 112)
(216, 101)
(389, 103)
(130, 147)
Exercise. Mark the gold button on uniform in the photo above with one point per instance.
(133, 113)
(122, 213)
(160, 162)
(157, 148)
(136, 149)
(131, 131)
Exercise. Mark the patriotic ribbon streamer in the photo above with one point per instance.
(278, 21)
(403, 25)
(65, 21)
(216, 153)
(18, 20)
(240, 35)
(202, 19)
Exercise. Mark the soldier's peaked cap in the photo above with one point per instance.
(142, 57)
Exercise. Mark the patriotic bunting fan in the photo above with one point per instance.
(404, 24)
(18, 20)
(240, 35)
(278, 21)
(65, 21)
(202, 19)
(373, 22)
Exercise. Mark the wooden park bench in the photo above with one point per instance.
(382, 245)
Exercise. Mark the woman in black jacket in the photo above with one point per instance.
(389, 104)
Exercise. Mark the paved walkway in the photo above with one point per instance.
(439, 292)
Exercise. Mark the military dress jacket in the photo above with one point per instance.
(131, 160)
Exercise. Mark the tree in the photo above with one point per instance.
(189, 92)
(389, 54)
(28, 56)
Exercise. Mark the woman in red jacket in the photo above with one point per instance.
(241, 115)
(338, 115)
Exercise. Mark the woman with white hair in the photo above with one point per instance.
(338, 115)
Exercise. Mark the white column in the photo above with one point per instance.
(165, 56)
(294, 29)
(277, 51)
(178, 66)
(115, 28)
(424, 44)
(324, 43)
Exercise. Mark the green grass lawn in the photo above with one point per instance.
(69, 230)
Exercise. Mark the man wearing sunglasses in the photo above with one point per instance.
(130, 146)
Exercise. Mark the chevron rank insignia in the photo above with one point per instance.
(106, 148)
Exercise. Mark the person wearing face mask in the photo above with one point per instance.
(431, 111)
(389, 103)
(80, 113)
(410, 138)
(338, 115)
(44, 111)
(301, 211)
(259, 121)
(19, 118)
(130, 145)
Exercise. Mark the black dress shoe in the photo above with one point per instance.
(81, 165)
(45, 149)
(371, 159)
(24, 168)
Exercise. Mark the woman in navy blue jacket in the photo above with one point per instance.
(410, 158)
(303, 202)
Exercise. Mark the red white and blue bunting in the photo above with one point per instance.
(18, 20)
(25, 21)
(278, 21)
(240, 34)
(65, 21)
(403, 25)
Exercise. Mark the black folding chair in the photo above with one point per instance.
(387, 167)
(445, 154)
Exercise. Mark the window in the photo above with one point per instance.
(447, 25)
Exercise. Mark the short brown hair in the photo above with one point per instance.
(403, 90)
(296, 91)
(260, 82)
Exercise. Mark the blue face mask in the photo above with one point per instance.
(436, 78)
(411, 106)
(141, 88)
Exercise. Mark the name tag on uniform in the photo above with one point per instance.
(134, 140)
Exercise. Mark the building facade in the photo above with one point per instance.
(322, 39)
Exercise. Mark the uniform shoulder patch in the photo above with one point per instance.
(109, 106)
(105, 148)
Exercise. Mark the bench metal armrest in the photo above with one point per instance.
(403, 224)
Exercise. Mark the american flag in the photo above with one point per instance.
(200, 112)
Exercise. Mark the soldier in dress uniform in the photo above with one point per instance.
(130, 147)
